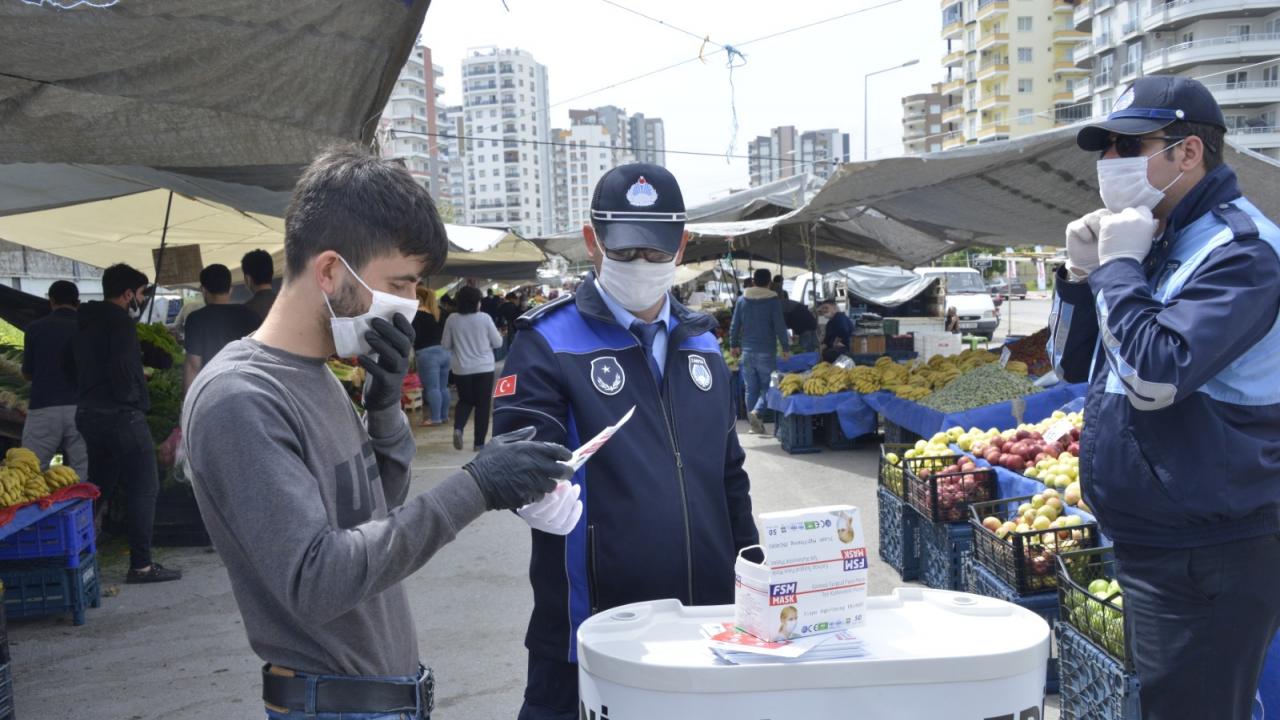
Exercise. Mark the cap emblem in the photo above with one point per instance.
(1123, 102)
(642, 194)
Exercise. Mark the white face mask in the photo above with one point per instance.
(637, 285)
(348, 332)
(788, 627)
(1123, 183)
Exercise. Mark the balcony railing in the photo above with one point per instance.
(1129, 69)
(1082, 52)
(1103, 41)
(1083, 14)
(1101, 81)
(1237, 47)
(1130, 27)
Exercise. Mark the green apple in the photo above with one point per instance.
(1099, 587)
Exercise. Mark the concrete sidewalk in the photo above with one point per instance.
(178, 650)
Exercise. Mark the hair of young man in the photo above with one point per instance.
(762, 278)
(468, 300)
(64, 292)
(361, 207)
(257, 266)
(1211, 136)
(119, 279)
(216, 279)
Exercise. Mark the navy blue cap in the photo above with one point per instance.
(1151, 103)
(639, 206)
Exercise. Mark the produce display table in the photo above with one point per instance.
(856, 417)
(798, 362)
(31, 514)
(925, 421)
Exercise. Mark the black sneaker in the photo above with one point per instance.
(457, 439)
(477, 447)
(157, 574)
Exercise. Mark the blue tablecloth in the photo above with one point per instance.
(856, 417)
(1269, 687)
(926, 421)
(798, 362)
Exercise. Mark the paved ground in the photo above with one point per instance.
(178, 650)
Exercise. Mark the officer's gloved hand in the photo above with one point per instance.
(557, 512)
(393, 344)
(512, 471)
(1126, 234)
(1082, 244)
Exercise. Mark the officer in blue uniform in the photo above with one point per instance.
(666, 501)
(1168, 304)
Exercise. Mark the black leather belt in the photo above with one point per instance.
(349, 694)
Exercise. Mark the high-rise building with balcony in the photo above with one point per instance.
(786, 152)
(507, 154)
(648, 139)
(1207, 39)
(922, 123)
(453, 129)
(617, 127)
(411, 121)
(1008, 69)
(581, 156)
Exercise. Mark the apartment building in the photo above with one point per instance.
(922, 123)
(786, 152)
(411, 121)
(582, 155)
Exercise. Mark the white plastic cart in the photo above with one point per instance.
(932, 654)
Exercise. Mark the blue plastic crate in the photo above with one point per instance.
(944, 552)
(795, 432)
(65, 534)
(899, 534)
(981, 581)
(6, 692)
(34, 588)
(833, 435)
(1092, 685)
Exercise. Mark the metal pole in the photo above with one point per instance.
(865, 86)
(164, 236)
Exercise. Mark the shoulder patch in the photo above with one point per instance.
(532, 316)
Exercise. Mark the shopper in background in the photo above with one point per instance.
(51, 412)
(755, 334)
(489, 304)
(838, 337)
(220, 321)
(1168, 305)
(307, 502)
(471, 337)
(508, 312)
(951, 323)
(258, 270)
(432, 359)
(111, 411)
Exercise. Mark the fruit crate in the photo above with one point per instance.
(981, 581)
(6, 692)
(64, 534)
(1098, 616)
(4, 635)
(35, 588)
(1025, 560)
(832, 434)
(795, 432)
(895, 433)
(890, 475)
(1091, 684)
(178, 522)
(899, 530)
(944, 496)
(944, 553)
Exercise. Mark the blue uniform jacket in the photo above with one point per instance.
(666, 501)
(1181, 445)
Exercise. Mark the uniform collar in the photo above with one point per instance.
(1217, 187)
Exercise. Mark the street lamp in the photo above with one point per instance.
(864, 99)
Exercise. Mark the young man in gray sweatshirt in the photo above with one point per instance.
(306, 500)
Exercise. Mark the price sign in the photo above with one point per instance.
(1057, 431)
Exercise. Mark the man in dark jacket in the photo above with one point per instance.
(667, 499)
(755, 334)
(111, 411)
(1168, 305)
(51, 415)
(838, 337)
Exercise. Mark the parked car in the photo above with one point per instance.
(1006, 289)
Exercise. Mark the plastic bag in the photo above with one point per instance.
(844, 362)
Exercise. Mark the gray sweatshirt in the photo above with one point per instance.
(305, 502)
(470, 339)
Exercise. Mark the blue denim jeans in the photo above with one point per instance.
(433, 371)
(756, 369)
(809, 340)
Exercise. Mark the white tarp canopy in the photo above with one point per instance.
(887, 286)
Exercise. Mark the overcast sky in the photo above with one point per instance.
(812, 78)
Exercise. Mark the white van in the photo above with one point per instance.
(967, 293)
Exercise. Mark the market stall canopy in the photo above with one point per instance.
(245, 92)
(886, 286)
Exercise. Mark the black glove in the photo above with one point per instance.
(394, 344)
(512, 471)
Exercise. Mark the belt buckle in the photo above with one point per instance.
(427, 692)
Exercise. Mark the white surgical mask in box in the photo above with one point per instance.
(815, 582)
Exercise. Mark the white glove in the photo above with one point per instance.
(1126, 234)
(1082, 244)
(557, 512)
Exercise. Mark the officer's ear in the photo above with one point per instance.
(684, 242)
(593, 244)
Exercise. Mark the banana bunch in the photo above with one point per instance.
(22, 459)
(908, 392)
(1017, 367)
(791, 384)
(12, 491)
(34, 487)
(60, 476)
(816, 386)
(866, 379)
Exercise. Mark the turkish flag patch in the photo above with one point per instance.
(506, 386)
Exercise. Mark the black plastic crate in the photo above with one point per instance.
(6, 691)
(981, 581)
(4, 636)
(899, 530)
(923, 493)
(832, 434)
(34, 588)
(1101, 619)
(944, 553)
(178, 522)
(795, 432)
(891, 475)
(895, 433)
(1091, 684)
(1025, 560)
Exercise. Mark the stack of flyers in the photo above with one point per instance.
(738, 647)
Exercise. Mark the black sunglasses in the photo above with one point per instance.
(1130, 146)
(649, 254)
